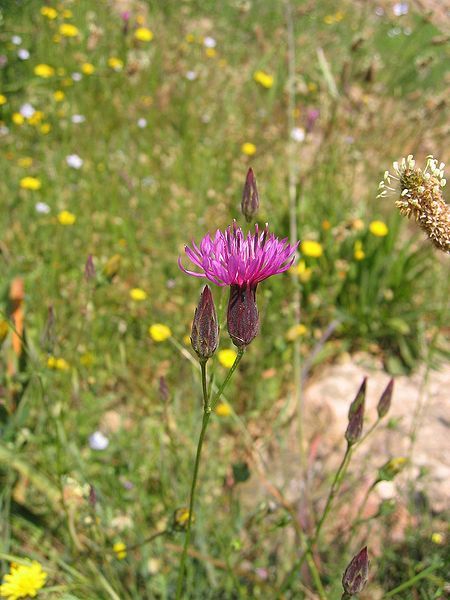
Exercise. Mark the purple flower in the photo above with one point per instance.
(241, 262)
(232, 258)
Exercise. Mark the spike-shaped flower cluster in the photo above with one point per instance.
(231, 258)
(420, 196)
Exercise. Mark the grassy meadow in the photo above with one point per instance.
(127, 129)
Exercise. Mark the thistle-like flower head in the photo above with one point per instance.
(231, 258)
(420, 196)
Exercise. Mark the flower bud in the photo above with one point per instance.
(250, 197)
(384, 402)
(89, 268)
(356, 574)
(242, 315)
(180, 519)
(392, 468)
(356, 415)
(205, 327)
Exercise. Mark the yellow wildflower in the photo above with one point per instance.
(87, 359)
(120, 550)
(312, 87)
(115, 63)
(378, 228)
(49, 12)
(304, 273)
(159, 332)
(36, 117)
(67, 14)
(437, 538)
(44, 71)
(140, 19)
(311, 248)
(248, 148)
(326, 225)
(23, 581)
(30, 183)
(181, 518)
(18, 119)
(60, 364)
(66, 218)
(227, 357)
(59, 96)
(3, 99)
(187, 340)
(45, 128)
(210, 52)
(190, 38)
(87, 68)
(68, 30)
(296, 331)
(25, 162)
(328, 19)
(263, 79)
(138, 295)
(358, 251)
(57, 38)
(143, 34)
(223, 409)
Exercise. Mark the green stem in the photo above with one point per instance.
(208, 407)
(407, 584)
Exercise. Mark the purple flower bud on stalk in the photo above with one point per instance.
(356, 415)
(311, 117)
(250, 197)
(384, 402)
(205, 327)
(89, 268)
(242, 315)
(357, 573)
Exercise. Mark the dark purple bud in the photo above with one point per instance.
(357, 573)
(242, 315)
(250, 197)
(384, 403)
(92, 496)
(359, 399)
(356, 415)
(89, 268)
(355, 426)
(205, 327)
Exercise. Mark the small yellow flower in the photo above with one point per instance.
(312, 87)
(358, 251)
(311, 248)
(45, 128)
(326, 225)
(49, 12)
(304, 273)
(23, 581)
(211, 52)
(227, 357)
(87, 359)
(140, 19)
(181, 518)
(30, 183)
(57, 38)
(68, 30)
(138, 295)
(87, 68)
(437, 538)
(44, 71)
(296, 331)
(159, 332)
(248, 148)
(66, 218)
(18, 119)
(25, 162)
(328, 19)
(36, 117)
(187, 340)
(115, 63)
(190, 38)
(143, 34)
(59, 96)
(67, 14)
(223, 409)
(263, 79)
(60, 364)
(378, 228)
(3, 99)
(120, 550)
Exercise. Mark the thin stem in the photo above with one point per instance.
(407, 584)
(208, 407)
